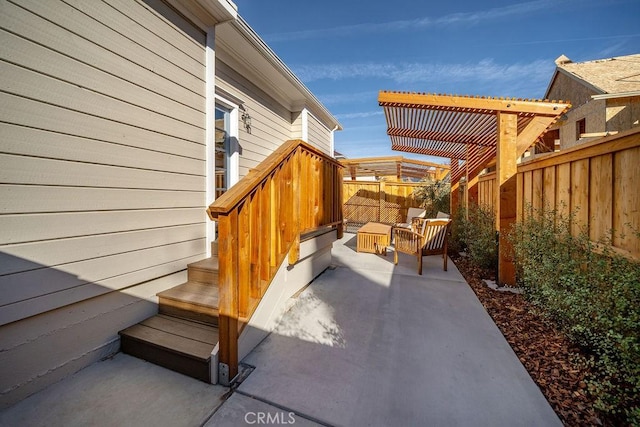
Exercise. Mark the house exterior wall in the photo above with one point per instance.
(102, 202)
(270, 121)
(600, 115)
(318, 134)
(622, 113)
(565, 88)
(296, 125)
(592, 112)
(103, 171)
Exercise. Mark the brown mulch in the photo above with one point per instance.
(546, 354)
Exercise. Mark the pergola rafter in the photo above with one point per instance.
(477, 131)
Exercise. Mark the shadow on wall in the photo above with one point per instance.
(46, 345)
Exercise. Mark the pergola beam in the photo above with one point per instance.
(478, 105)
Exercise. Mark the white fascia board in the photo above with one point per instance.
(206, 13)
(616, 95)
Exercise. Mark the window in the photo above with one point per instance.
(580, 128)
(222, 151)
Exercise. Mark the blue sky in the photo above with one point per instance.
(347, 51)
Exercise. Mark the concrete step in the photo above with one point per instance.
(180, 345)
(195, 301)
(204, 271)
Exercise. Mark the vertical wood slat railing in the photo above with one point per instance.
(294, 191)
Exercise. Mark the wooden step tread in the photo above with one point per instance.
(195, 293)
(182, 327)
(210, 263)
(175, 335)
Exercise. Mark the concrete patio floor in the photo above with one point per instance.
(367, 343)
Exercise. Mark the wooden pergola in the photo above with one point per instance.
(393, 166)
(473, 132)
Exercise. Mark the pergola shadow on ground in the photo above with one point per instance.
(474, 133)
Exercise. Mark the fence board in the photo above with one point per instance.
(626, 203)
(601, 200)
(597, 181)
(377, 201)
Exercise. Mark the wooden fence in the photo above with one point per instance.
(599, 182)
(378, 201)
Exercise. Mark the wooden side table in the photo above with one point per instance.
(374, 237)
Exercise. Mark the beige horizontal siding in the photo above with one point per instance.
(52, 253)
(42, 23)
(36, 227)
(36, 86)
(102, 156)
(270, 121)
(42, 289)
(24, 141)
(296, 126)
(38, 171)
(319, 135)
(39, 115)
(19, 199)
(44, 349)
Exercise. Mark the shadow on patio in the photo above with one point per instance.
(370, 343)
(366, 343)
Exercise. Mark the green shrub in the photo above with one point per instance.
(475, 233)
(433, 196)
(593, 294)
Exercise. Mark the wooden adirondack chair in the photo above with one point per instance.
(426, 237)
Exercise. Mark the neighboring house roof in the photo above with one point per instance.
(619, 75)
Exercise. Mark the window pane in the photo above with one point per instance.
(221, 148)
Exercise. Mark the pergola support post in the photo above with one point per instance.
(506, 172)
(454, 200)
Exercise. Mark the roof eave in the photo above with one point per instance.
(616, 95)
(297, 94)
(206, 13)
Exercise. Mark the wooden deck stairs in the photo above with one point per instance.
(183, 334)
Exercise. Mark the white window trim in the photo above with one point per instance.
(210, 131)
(234, 147)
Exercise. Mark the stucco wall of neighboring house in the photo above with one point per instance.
(592, 112)
(102, 201)
(565, 88)
(622, 113)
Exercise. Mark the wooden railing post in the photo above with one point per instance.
(228, 298)
(294, 253)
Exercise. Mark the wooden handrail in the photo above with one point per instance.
(231, 198)
(294, 190)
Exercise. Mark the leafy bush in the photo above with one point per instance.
(475, 233)
(433, 196)
(593, 294)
